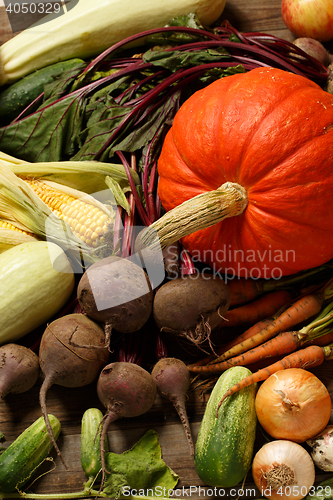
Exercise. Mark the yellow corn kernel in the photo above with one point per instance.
(7, 225)
(83, 218)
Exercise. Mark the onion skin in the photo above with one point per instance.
(293, 404)
(298, 470)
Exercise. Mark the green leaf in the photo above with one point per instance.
(321, 491)
(173, 60)
(61, 85)
(191, 21)
(118, 194)
(48, 134)
(132, 134)
(141, 468)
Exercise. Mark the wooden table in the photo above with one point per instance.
(16, 413)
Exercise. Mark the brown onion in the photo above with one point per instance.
(293, 404)
(283, 470)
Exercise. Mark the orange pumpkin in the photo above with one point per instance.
(269, 133)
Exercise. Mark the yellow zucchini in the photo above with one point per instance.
(36, 280)
(91, 26)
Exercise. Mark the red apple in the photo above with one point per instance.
(309, 18)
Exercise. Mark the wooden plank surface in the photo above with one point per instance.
(16, 413)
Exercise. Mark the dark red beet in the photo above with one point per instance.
(173, 381)
(126, 390)
(19, 369)
(64, 362)
(191, 306)
(116, 292)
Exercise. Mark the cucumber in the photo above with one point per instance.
(21, 459)
(90, 443)
(224, 447)
(15, 98)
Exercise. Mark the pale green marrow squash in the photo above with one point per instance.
(224, 447)
(91, 26)
(36, 280)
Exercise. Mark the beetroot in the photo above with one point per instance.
(19, 369)
(72, 353)
(116, 292)
(191, 306)
(173, 382)
(126, 390)
(314, 49)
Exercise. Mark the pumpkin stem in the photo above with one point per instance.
(200, 212)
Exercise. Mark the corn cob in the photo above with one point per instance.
(87, 176)
(11, 236)
(8, 225)
(22, 207)
(88, 222)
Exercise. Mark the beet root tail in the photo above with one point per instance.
(42, 401)
(180, 408)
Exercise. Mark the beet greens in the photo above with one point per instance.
(124, 104)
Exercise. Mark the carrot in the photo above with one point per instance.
(299, 311)
(252, 330)
(257, 310)
(322, 340)
(282, 344)
(306, 358)
(257, 327)
(244, 290)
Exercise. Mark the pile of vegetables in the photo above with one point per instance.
(24, 456)
(190, 131)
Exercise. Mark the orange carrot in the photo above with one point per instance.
(306, 358)
(299, 311)
(282, 344)
(257, 327)
(257, 310)
(244, 290)
(321, 341)
(252, 330)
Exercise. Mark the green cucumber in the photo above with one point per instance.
(24, 455)
(90, 443)
(225, 444)
(15, 98)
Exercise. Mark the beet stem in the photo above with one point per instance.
(47, 383)
(180, 407)
(112, 415)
